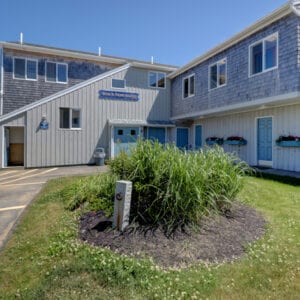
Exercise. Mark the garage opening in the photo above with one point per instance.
(14, 146)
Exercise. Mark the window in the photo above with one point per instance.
(217, 74)
(264, 55)
(56, 72)
(157, 80)
(25, 68)
(69, 118)
(189, 86)
(118, 83)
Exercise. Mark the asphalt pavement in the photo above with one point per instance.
(18, 187)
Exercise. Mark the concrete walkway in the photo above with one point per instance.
(18, 187)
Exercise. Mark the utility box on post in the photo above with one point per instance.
(122, 204)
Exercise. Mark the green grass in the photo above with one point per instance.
(44, 260)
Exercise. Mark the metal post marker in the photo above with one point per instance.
(122, 204)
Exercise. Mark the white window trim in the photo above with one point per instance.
(70, 119)
(264, 70)
(218, 74)
(26, 59)
(116, 88)
(183, 79)
(157, 87)
(56, 64)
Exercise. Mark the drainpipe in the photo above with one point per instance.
(1, 81)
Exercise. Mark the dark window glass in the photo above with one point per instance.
(118, 83)
(192, 85)
(19, 68)
(161, 80)
(61, 73)
(213, 76)
(185, 87)
(132, 132)
(75, 118)
(120, 132)
(271, 53)
(31, 69)
(152, 79)
(64, 118)
(222, 73)
(257, 58)
(51, 71)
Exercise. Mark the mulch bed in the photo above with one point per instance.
(219, 238)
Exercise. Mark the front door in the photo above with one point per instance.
(125, 138)
(264, 142)
(198, 136)
(157, 134)
(6, 146)
(182, 138)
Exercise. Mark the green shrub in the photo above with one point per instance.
(173, 188)
(97, 192)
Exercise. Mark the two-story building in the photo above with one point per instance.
(248, 87)
(58, 105)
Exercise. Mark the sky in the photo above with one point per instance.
(172, 31)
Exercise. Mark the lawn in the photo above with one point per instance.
(44, 260)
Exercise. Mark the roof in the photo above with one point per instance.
(260, 24)
(84, 55)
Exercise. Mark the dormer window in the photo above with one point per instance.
(25, 68)
(56, 72)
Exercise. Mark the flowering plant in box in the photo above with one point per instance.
(214, 140)
(235, 140)
(288, 138)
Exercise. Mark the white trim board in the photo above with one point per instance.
(264, 103)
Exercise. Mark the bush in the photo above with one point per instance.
(96, 191)
(174, 188)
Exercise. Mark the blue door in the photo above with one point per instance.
(198, 136)
(182, 138)
(124, 138)
(264, 141)
(156, 133)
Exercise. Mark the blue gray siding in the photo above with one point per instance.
(18, 92)
(240, 88)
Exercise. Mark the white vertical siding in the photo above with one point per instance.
(286, 121)
(57, 146)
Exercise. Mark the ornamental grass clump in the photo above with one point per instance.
(175, 188)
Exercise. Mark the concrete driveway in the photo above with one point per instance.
(18, 187)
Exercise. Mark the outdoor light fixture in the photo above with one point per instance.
(295, 6)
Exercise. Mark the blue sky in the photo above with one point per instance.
(173, 31)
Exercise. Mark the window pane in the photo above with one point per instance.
(61, 73)
(271, 53)
(185, 88)
(75, 118)
(64, 118)
(152, 79)
(118, 83)
(213, 76)
(31, 69)
(257, 58)
(161, 80)
(51, 71)
(19, 71)
(222, 72)
(192, 85)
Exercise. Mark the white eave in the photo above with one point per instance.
(264, 103)
(260, 24)
(133, 122)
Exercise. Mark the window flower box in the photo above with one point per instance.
(236, 140)
(288, 141)
(214, 141)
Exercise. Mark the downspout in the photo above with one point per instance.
(1, 81)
